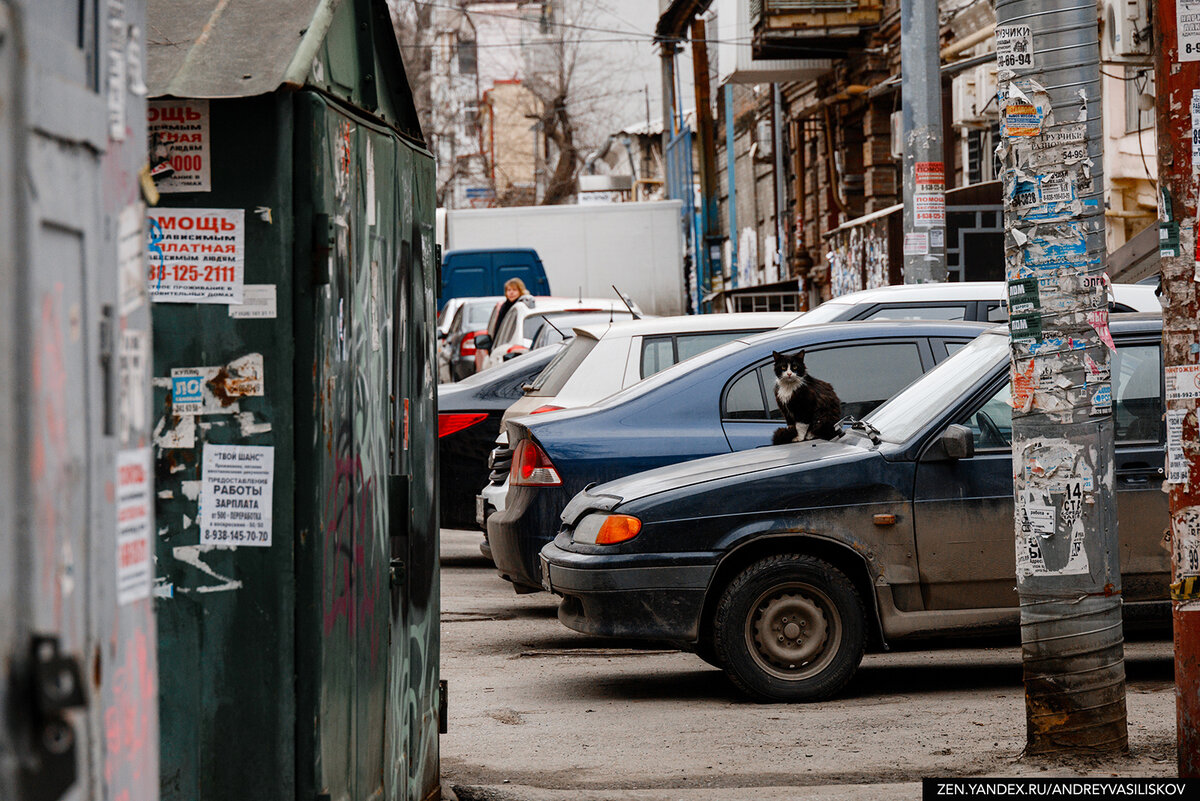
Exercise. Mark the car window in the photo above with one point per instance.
(691, 344)
(552, 379)
(744, 400)
(478, 313)
(1137, 411)
(658, 353)
(991, 424)
(919, 313)
(997, 313)
(456, 321)
(865, 375)
(507, 328)
(533, 324)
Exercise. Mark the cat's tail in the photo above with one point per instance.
(783, 435)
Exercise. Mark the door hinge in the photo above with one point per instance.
(55, 686)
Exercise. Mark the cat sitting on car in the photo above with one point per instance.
(810, 406)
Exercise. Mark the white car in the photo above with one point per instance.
(969, 300)
(601, 360)
(523, 320)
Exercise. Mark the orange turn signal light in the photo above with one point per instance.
(618, 528)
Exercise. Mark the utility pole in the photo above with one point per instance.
(1177, 76)
(1068, 569)
(924, 167)
(706, 265)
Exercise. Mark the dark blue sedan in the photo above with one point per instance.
(717, 402)
(782, 565)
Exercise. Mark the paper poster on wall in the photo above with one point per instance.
(133, 374)
(916, 243)
(196, 255)
(258, 303)
(235, 496)
(180, 145)
(929, 176)
(929, 210)
(131, 259)
(1014, 48)
(134, 502)
(1183, 381)
(1187, 23)
(1177, 465)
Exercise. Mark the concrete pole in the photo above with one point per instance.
(924, 168)
(1068, 568)
(1177, 78)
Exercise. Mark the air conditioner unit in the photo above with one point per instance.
(1126, 31)
(962, 98)
(987, 106)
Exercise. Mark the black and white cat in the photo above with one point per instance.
(809, 405)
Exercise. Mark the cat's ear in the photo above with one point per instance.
(778, 356)
(800, 356)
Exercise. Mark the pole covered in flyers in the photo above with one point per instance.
(1177, 76)
(1067, 555)
(924, 168)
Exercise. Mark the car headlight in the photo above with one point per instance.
(602, 529)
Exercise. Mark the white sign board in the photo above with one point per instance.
(1183, 382)
(134, 502)
(258, 303)
(196, 255)
(235, 496)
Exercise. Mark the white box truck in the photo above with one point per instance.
(585, 249)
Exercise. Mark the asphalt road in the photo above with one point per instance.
(539, 712)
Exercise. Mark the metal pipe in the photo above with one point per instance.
(967, 42)
(781, 262)
(1068, 567)
(924, 169)
(1176, 75)
(731, 176)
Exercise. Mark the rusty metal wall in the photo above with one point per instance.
(81, 713)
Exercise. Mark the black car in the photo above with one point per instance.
(781, 564)
(716, 402)
(469, 415)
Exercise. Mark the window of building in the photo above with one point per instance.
(467, 56)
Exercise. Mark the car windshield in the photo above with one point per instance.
(922, 400)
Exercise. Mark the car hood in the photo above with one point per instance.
(730, 465)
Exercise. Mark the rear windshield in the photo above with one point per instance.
(551, 380)
(478, 313)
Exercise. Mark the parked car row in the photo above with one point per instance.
(641, 486)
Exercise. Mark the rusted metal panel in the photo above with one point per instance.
(77, 570)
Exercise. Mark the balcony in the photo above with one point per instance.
(781, 26)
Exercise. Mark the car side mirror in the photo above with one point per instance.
(483, 342)
(957, 441)
(443, 334)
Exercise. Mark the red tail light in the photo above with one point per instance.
(450, 423)
(467, 346)
(531, 467)
(516, 349)
(547, 408)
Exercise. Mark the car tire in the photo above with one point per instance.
(790, 628)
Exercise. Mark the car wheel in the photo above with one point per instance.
(790, 628)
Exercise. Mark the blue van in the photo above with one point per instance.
(479, 273)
